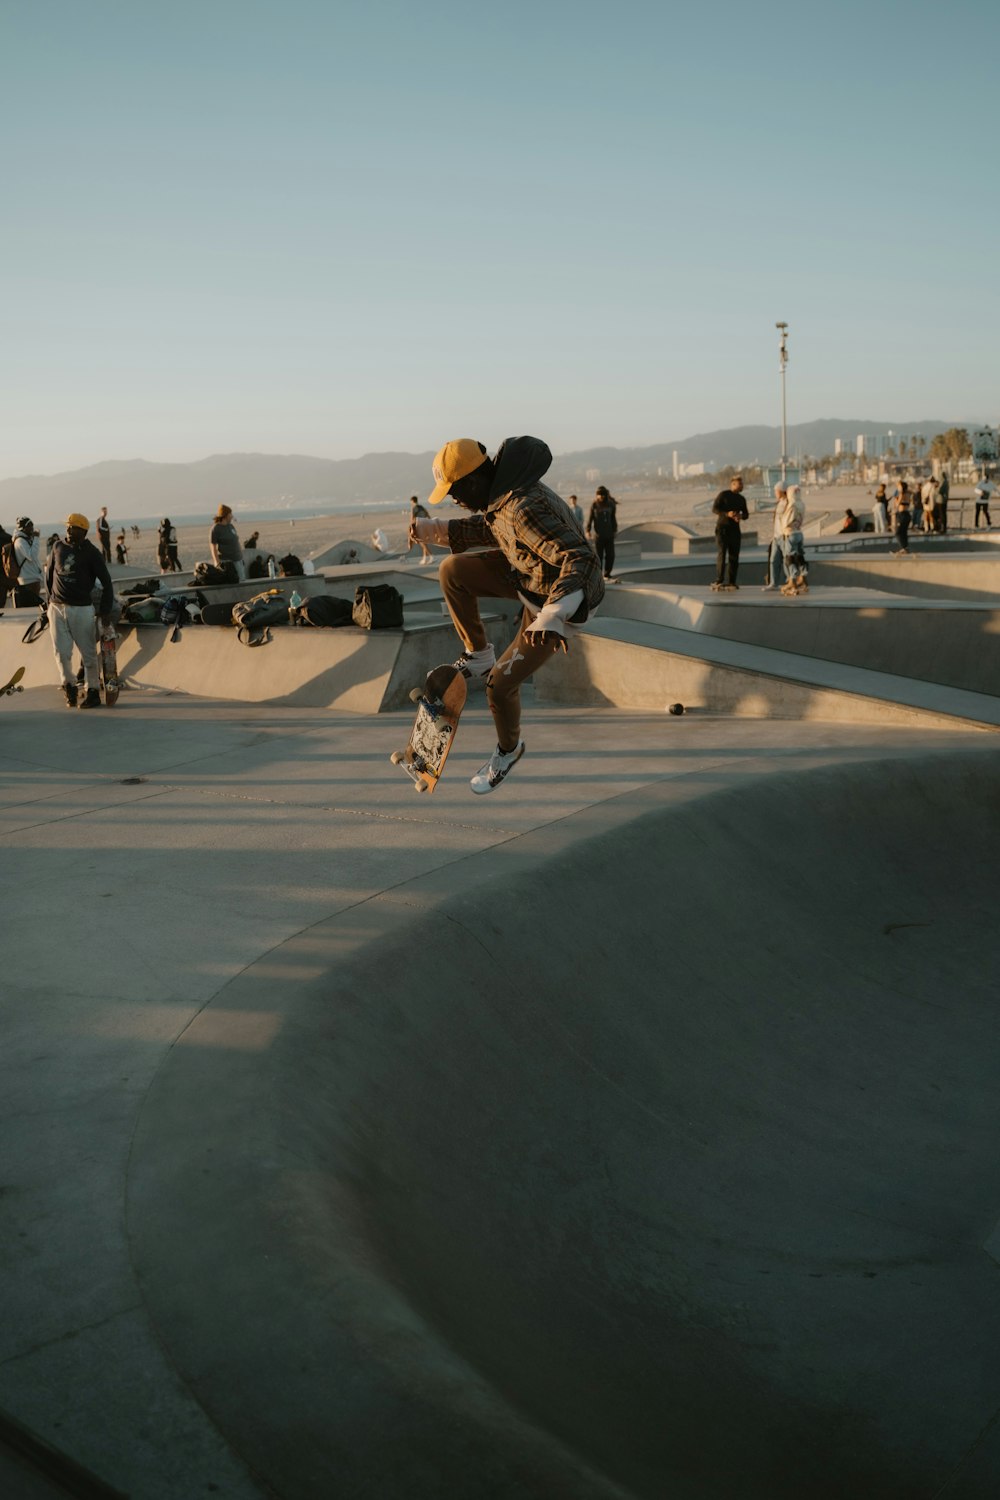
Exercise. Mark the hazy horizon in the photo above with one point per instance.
(333, 231)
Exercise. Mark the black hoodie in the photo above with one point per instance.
(533, 527)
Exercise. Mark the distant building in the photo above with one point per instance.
(677, 467)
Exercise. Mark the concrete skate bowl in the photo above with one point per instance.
(652, 1154)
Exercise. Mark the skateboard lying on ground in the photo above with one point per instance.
(14, 685)
(108, 655)
(439, 708)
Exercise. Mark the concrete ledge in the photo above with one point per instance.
(942, 641)
(356, 670)
(630, 664)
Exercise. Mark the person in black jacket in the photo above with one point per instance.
(74, 570)
(730, 509)
(602, 524)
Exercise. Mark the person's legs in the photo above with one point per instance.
(734, 541)
(503, 687)
(62, 642)
(467, 577)
(609, 557)
(82, 623)
(903, 530)
(720, 555)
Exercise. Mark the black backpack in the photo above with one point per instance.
(378, 607)
(324, 610)
(290, 566)
(206, 574)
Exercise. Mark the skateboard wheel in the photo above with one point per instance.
(421, 785)
(416, 694)
(396, 757)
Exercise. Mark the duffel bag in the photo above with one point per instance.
(378, 607)
(252, 616)
(322, 609)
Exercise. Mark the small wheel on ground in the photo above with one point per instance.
(416, 694)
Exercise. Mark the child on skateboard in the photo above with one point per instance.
(537, 554)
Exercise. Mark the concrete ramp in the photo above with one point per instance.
(634, 664)
(943, 641)
(650, 1155)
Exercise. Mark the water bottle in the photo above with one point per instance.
(296, 599)
(272, 568)
(294, 605)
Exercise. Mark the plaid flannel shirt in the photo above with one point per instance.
(535, 530)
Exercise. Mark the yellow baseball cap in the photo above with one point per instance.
(77, 520)
(454, 461)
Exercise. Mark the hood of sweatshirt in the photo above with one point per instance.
(520, 462)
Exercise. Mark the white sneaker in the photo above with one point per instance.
(489, 777)
(477, 663)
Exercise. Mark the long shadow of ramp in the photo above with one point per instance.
(653, 1154)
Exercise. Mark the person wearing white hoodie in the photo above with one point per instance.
(792, 543)
(29, 566)
(775, 550)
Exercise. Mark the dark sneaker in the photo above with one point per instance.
(92, 700)
(69, 693)
(489, 777)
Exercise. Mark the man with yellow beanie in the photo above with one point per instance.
(537, 553)
(73, 572)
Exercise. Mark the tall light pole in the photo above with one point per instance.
(783, 361)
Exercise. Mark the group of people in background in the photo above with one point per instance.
(927, 502)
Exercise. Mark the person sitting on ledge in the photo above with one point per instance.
(850, 521)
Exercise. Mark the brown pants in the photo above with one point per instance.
(467, 577)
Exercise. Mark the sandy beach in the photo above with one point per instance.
(309, 536)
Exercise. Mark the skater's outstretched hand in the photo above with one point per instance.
(547, 638)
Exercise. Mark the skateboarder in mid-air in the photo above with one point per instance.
(537, 554)
(74, 568)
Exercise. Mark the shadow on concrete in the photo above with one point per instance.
(650, 1154)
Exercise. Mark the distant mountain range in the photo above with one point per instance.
(134, 488)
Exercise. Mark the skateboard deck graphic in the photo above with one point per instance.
(439, 708)
(108, 656)
(14, 685)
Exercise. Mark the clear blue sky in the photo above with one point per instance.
(333, 228)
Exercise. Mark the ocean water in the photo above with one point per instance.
(247, 517)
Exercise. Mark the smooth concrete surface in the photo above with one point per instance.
(358, 1143)
(634, 664)
(945, 641)
(681, 1186)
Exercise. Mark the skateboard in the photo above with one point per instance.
(439, 707)
(14, 685)
(108, 655)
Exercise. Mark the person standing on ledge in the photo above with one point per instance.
(602, 523)
(775, 550)
(729, 508)
(74, 569)
(537, 554)
(104, 533)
